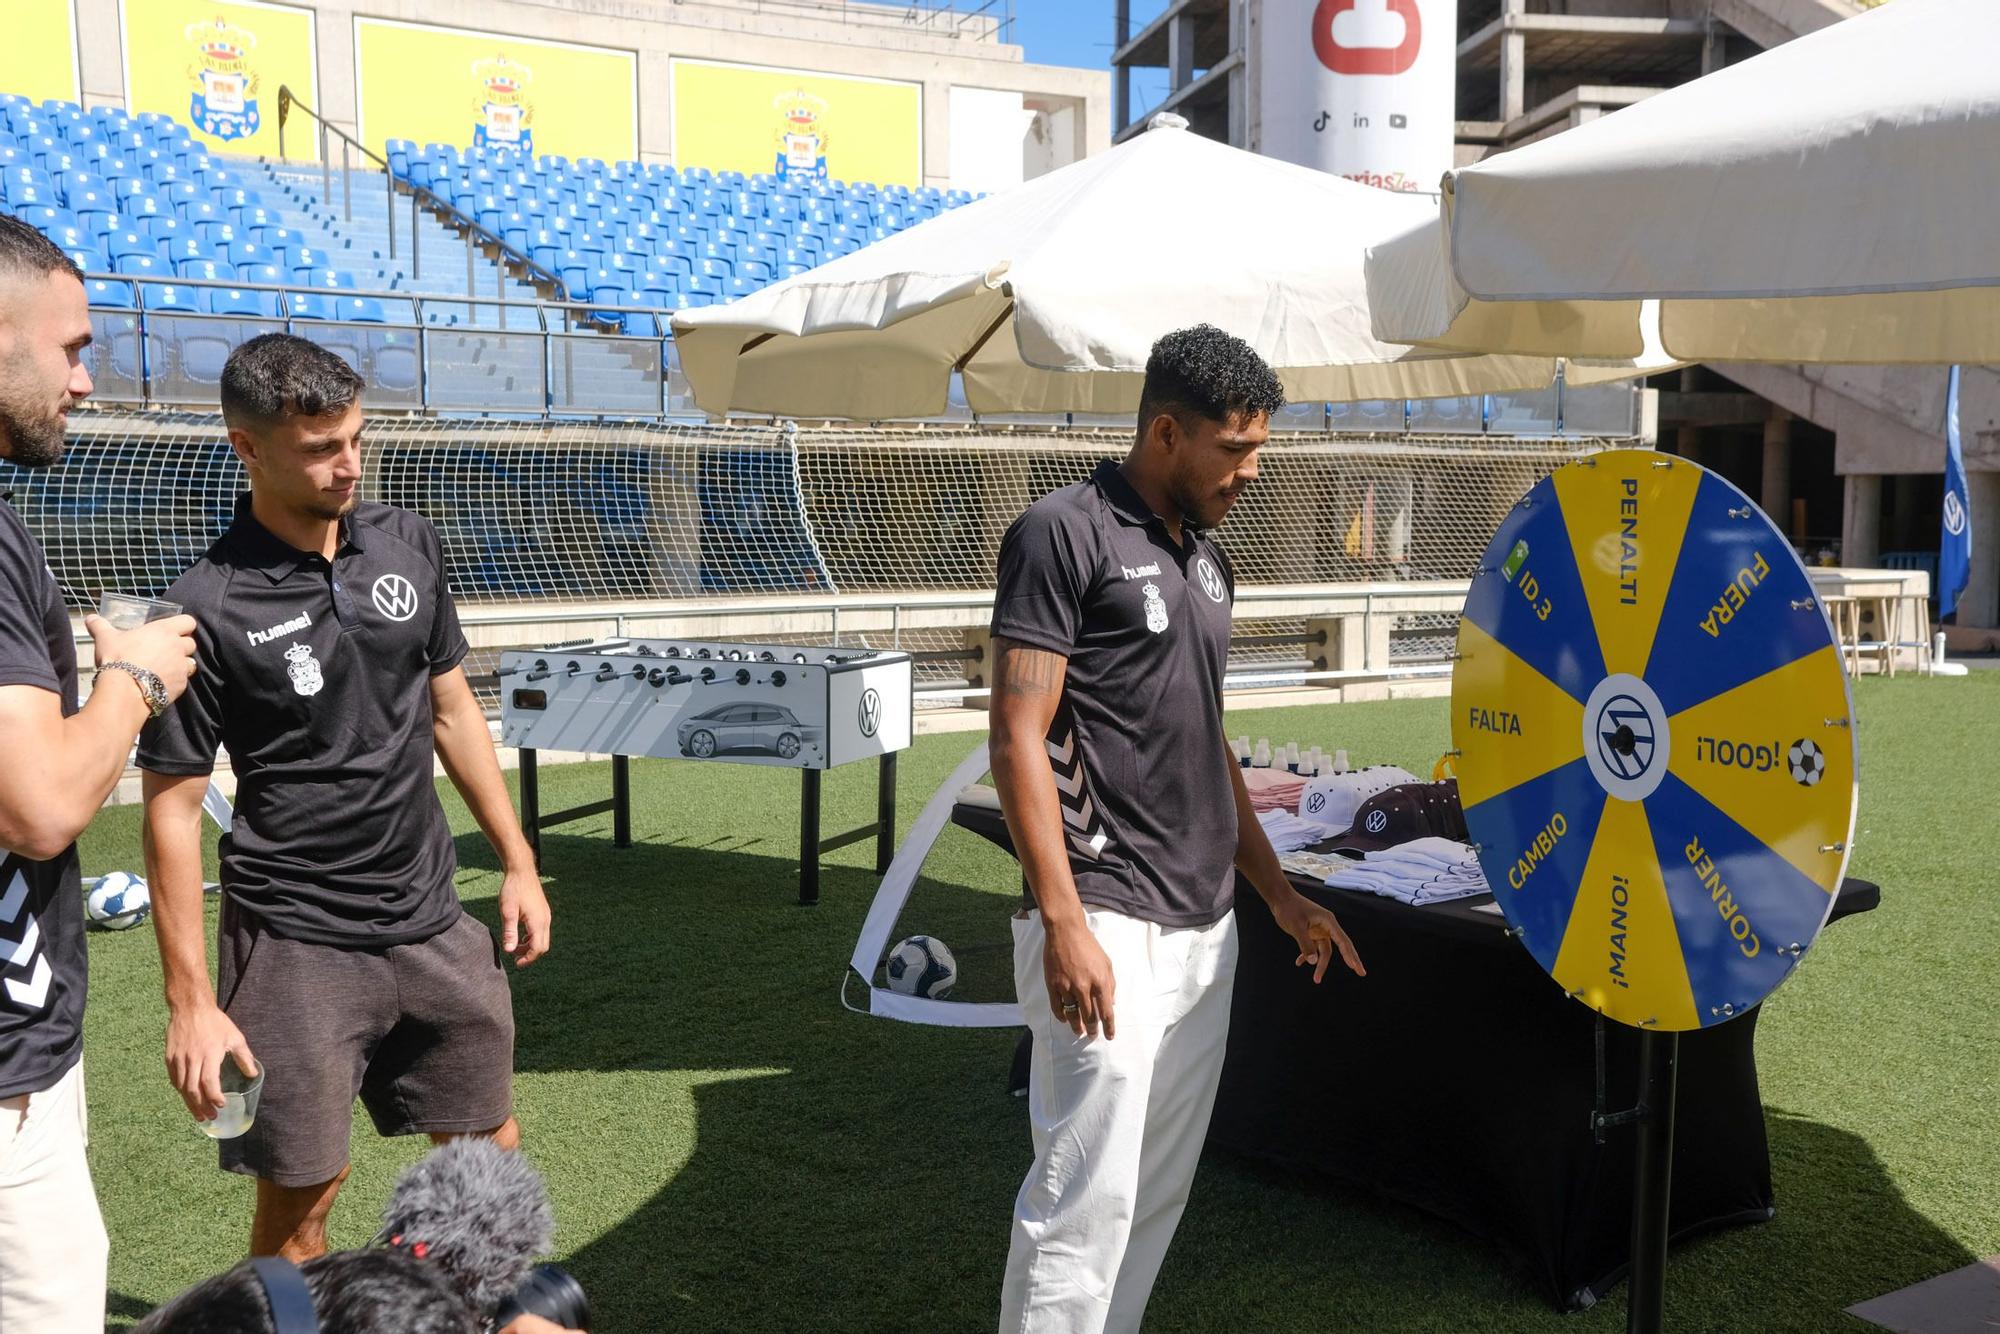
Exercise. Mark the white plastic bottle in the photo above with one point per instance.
(1340, 764)
(1261, 757)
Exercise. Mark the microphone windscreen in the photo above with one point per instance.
(480, 1212)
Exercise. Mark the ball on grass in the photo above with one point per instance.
(118, 902)
(922, 966)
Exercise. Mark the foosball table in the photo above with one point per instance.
(781, 705)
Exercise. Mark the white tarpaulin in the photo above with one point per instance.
(901, 878)
(1049, 297)
(1830, 200)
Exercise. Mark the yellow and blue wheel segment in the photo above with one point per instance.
(1655, 740)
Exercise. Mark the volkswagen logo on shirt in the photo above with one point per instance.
(869, 715)
(1211, 580)
(395, 597)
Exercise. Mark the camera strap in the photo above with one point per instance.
(292, 1309)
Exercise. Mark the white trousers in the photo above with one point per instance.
(52, 1243)
(1118, 1125)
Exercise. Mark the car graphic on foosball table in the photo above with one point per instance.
(766, 729)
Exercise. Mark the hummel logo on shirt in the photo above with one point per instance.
(299, 622)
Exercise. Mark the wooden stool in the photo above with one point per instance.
(1908, 612)
(1845, 613)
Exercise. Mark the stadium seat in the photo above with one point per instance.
(108, 292)
(323, 278)
(140, 265)
(392, 359)
(311, 305)
(207, 270)
(169, 298)
(236, 301)
(268, 274)
(87, 258)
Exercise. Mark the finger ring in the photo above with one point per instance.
(1069, 1005)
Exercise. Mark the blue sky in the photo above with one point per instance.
(1065, 32)
(1078, 32)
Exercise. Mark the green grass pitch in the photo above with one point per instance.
(730, 1150)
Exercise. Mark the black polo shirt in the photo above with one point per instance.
(1141, 765)
(43, 964)
(316, 679)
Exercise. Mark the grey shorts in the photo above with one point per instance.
(423, 1033)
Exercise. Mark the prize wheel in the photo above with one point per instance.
(1655, 740)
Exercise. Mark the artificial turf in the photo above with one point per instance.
(731, 1150)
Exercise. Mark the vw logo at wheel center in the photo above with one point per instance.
(1625, 738)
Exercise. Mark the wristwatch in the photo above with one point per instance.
(150, 685)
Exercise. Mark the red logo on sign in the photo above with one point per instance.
(1366, 59)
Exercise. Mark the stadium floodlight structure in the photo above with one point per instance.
(1048, 297)
(1820, 202)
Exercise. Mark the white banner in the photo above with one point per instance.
(1360, 88)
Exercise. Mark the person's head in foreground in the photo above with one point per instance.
(1204, 411)
(293, 410)
(354, 1292)
(44, 328)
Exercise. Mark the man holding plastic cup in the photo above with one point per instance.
(61, 761)
(332, 675)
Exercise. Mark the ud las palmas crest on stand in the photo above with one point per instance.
(802, 137)
(504, 117)
(224, 100)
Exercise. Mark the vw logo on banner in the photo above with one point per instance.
(869, 715)
(395, 597)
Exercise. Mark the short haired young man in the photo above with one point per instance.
(1110, 637)
(330, 654)
(61, 761)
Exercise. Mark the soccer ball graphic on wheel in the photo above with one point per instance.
(1807, 761)
(921, 966)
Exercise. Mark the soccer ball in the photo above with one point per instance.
(118, 901)
(921, 966)
(1808, 763)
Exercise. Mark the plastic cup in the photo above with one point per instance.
(239, 1102)
(129, 611)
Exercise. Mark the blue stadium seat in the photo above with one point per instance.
(170, 299)
(236, 301)
(269, 274)
(756, 270)
(188, 247)
(207, 270)
(108, 292)
(141, 264)
(311, 305)
(241, 253)
(324, 279)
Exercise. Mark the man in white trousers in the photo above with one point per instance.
(1110, 637)
(61, 760)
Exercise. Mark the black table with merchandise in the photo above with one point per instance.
(1457, 1078)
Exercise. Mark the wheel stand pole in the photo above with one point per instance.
(1652, 1181)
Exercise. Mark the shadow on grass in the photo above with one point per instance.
(840, 1165)
(834, 1172)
